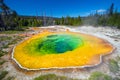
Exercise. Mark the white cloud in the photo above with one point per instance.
(101, 10)
(85, 14)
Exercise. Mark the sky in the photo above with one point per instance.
(59, 8)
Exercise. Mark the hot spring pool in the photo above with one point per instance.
(60, 50)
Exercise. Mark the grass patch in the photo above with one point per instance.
(4, 38)
(113, 66)
(10, 78)
(14, 41)
(52, 77)
(116, 78)
(11, 32)
(5, 46)
(2, 62)
(99, 76)
(2, 53)
(3, 74)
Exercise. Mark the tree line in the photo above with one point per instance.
(109, 18)
(73, 21)
(10, 20)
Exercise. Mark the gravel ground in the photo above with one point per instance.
(107, 33)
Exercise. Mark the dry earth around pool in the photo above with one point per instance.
(107, 33)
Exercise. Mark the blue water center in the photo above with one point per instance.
(59, 44)
(54, 44)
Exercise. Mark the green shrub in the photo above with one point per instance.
(1, 62)
(3, 74)
(15, 40)
(116, 78)
(113, 66)
(52, 77)
(11, 32)
(12, 42)
(99, 76)
(10, 78)
(5, 46)
(4, 38)
(2, 53)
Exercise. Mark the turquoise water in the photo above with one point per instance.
(54, 44)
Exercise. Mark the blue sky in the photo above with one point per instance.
(59, 8)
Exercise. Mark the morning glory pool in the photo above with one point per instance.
(60, 50)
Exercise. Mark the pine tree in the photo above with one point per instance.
(111, 9)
